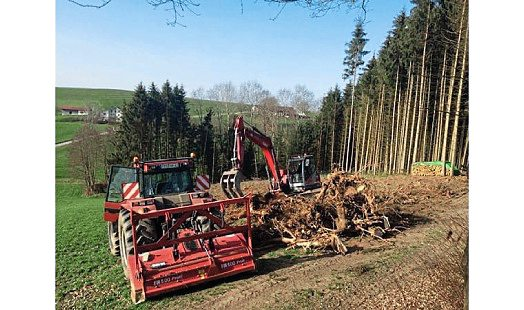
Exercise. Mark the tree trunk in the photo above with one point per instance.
(432, 136)
(406, 121)
(426, 110)
(358, 144)
(438, 139)
(457, 107)
(422, 80)
(412, 130)
(364, 140)
(346, 121)
(350, 137)
(333, 135)
(376, 158)
(397, 137)
(368, 147)
(450, 93)
(465, 151)
(391, 144)
(320, 158)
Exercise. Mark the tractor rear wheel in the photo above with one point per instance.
(114, 240)
(146, 232)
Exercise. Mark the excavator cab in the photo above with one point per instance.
(302, 174)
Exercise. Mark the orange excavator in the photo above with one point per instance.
(299, 176)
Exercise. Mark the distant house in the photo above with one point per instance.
(287, 112)
(114, 114)
(302, 115)
(70, 110)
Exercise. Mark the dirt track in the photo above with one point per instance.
(410, 270)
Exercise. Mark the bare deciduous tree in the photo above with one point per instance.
(252, 93)
(225, 92)
(268, 109)
(285, 97)
(302, 99)
(199, 93)
(88, 154)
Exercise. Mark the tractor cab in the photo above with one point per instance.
(302, 174)
(161, 178)
(151, 179)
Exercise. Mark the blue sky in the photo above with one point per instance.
(128, 41)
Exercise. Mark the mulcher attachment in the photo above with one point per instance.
(184, 256)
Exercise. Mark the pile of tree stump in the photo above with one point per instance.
(344, 207)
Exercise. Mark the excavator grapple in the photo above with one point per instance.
(230, 183)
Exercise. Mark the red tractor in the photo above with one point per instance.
(169, 232)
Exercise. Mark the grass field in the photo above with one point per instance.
(65, 131)
(83, 97)
(106, 98)
(87, 276)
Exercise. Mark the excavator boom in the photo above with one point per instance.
(231, 179)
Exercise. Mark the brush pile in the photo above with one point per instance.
(344, 207)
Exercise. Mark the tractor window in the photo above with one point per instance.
(169, 181)
(119, 176)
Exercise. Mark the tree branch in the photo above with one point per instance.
(318, 8)
(177, 6)
(84, 5)
(279, 12)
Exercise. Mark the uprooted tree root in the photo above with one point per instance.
(344, 207)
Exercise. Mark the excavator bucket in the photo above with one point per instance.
(230, 183)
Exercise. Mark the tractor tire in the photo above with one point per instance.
(146, 232)
(114, 240)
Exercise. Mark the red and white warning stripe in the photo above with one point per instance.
(202, 182)
(130, 190)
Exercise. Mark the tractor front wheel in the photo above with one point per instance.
(114, 240)
(146, 232)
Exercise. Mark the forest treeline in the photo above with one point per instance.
(408, 103)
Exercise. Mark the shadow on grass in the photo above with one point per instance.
(265, 263)
(406, 220)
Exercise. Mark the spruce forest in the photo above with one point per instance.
(408, 103)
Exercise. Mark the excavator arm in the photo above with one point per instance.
(230, 181)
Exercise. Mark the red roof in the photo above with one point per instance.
(71, 108)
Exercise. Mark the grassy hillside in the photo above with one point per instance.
(65, 131)
(83, 97)
(105, 98)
